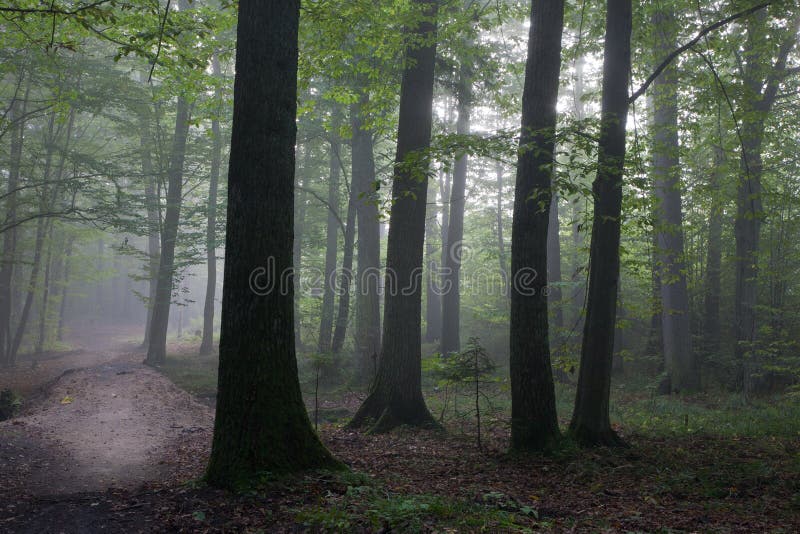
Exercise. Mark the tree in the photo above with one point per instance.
(395, 397)
(675, 315)
(159, 322)
(534, 424)
(590, 422)
(261, 423)
(207, 344)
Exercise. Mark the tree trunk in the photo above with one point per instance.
(501, 243)
(16, 133)
(153, 208)
(433, 297)
(712, 332)
(157, 348)
(297, 243)
(534, 425)
(368, 320)
(41, 230)
(590, 423)
(331, 242)
(676, 331)
(451, 294)
(40, 341)
(554, 270)
(346, 276)
(207, 344)
(65, 279)
(396, 394)
(261, 423)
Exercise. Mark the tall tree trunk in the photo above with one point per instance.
(41, 230)
(554, 269)
(157, 348)
(534, 425)
(331, 242)
(40, 341)
(676, 331)
(261, 423)
(761, 82)
(712, 332)
(153, 208)
(65, 280)
(16, 133)
(207, 344)
(590, 423)
(346, 276)
(501, 242)
(451, 294)
(433, 297)
(368, 319)
(297, 243)
(396, 394)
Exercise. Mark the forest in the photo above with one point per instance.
(399, 266)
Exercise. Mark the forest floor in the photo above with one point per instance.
(114, 446)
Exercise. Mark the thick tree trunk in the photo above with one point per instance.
(261, 423)
(331, 243)
(368, 319)
(396, 394)
(207, 344)
(534, 425)
(451, 294)
(590, 423)
(676, 331)
(157, 347)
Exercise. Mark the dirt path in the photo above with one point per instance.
(115, 424)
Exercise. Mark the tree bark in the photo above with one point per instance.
(207, 344)
(712, 331)
(346, 276)
(534, 425)
(153, 209)
(261, 423)
(396, 394)
(676, 331)
(368, 320)
(590, 423)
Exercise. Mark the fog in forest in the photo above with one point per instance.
(399, 266)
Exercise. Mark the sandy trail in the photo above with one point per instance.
(115, 424)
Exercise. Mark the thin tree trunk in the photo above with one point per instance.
(261, 423)
(157, 348)
(396, 394)
(331, 242)
(368, 320)
(65, 280)
(433, 297)
(554, 270)
(590, 423)
(41, 229)
(501, 243)
(152, 201)
(346, 276)
(451, 294)
(40, 342)
(297, 243)
(534, 425)
(207, 344)
(712, 331)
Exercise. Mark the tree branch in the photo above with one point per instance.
(702, 33)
